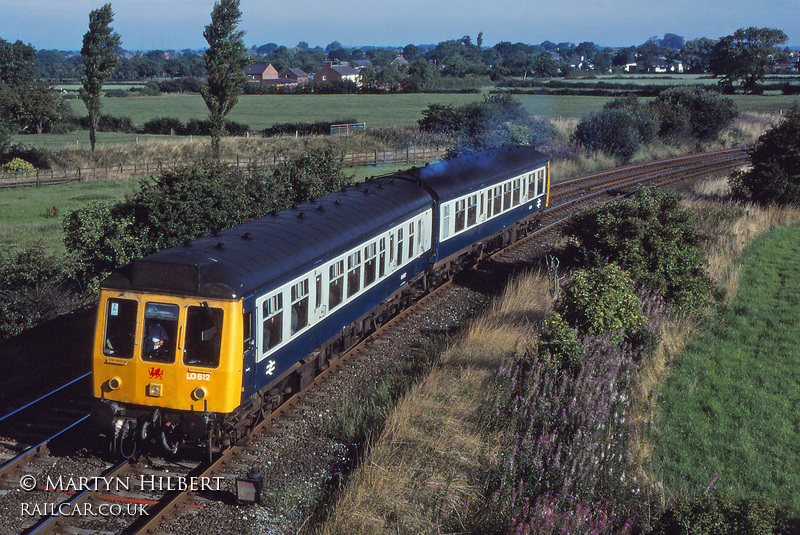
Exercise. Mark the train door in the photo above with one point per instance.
(249, 346)
(320, 303)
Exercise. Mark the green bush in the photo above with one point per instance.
(18, 165)
(692, 112)
(561, 342)
(775, 173)
(35, 286)
(167, 126)
(650, 236)
(601, 301)
(612, 131)
(724, 515)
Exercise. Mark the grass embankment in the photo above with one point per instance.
(427, 470)
(428, 467)
(729, 409)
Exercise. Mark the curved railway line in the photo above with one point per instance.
(144, 502)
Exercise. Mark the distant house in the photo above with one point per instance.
(400, 61)
(358, 64)
(334, 73)
(260, 72)
(298, 75)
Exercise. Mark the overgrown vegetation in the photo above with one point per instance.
(676, 115)
(775, 173)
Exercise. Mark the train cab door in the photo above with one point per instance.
(249, 347)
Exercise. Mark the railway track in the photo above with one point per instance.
(154, 509)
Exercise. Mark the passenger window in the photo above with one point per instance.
(516, 192)
(318, 289)
(336, 285)
(353, 274)
(460, 215)
(411, 240)
(445, 221)
(472, 210)
(382, 259)
(498, 207)
(506, 196)
(203, 336)
(542, 183)
(299, 306)
(370, 267)
(273, 322)
(391, 248)
(532, 185)
(160, 332)
(120, 328)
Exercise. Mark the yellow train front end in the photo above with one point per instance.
(165, 367)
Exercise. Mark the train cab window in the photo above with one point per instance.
(353, 274)
(445, 221)
(160, 330)
(336, 285)
(370, 264)
(516, 191)
(472, 210)
(299, 306)
(120, 328)
(272, 329)
(460, 215)
(203, 336)
(498, 200)
(382, 258)
(506, 196)
(411, 240)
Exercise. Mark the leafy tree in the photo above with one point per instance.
(333, 46)
(696, 54)
(647, 54)
(422, 76)
(650, 236)
(99, 62)
(775, 173)
(745, 56)
(410, 52)
(18, 63)
(311, 175)
(32, 107)
(225, 61)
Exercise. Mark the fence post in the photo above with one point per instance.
(79, 174)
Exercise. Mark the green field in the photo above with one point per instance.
(23, 211)
(730, 407)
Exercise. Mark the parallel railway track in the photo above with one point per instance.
(567, 197)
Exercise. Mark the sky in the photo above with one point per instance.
(178, 24)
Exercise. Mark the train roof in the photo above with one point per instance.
(459, 176)
(273, 249)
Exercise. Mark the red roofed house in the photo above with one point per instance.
(260, 72)
(333, 73)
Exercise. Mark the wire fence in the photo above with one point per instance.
(44, 177)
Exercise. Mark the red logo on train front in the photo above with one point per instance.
(156, 373)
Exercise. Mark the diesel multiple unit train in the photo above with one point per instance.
(197, 343)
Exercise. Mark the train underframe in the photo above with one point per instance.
(129, 429)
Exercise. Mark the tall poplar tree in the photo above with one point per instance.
(99, 62)
(225, 62)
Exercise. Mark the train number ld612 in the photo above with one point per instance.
(198, 376)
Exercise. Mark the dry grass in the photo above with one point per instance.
(427, 468)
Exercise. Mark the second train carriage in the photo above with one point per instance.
(195, 341)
